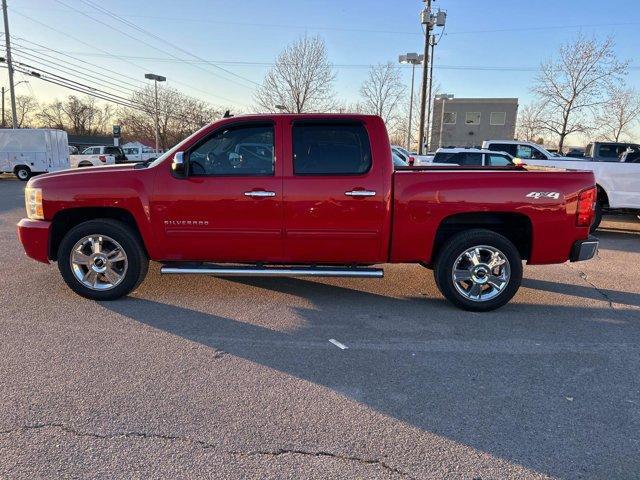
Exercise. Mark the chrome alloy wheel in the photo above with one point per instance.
(98, 262)
(481, 273)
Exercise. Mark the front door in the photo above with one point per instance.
(334, 207)
(229, 208)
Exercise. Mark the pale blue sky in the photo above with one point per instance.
(509, 37)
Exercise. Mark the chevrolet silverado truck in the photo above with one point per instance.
(305, 195)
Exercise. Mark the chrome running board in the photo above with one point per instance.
(240, 271)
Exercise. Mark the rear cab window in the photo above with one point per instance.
(330, 148)
(510, 148)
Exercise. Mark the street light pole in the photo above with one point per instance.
(14, 115)
(414, 59)
(156, 79)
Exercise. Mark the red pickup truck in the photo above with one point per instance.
(305, 195)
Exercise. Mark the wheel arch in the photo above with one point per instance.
(516, 227)
(65, 220)
(602, 195)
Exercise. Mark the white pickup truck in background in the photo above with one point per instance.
(98, 155)
(618, 182)
(140, 154)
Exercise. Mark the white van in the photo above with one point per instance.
(25, 152)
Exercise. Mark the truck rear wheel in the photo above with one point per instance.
(102, 259)
(22, 172)
(478, 270)
(597, 217)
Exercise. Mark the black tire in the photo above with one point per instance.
(456, 246)
(129, 240)
(82, 165)
(597, 217)
(23, 173)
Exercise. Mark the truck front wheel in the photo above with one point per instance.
(102, 259)
(478, 270)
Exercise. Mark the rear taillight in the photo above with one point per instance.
(586, 207)
(102, 158)
(411, 161)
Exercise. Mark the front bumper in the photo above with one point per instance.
(34, 236)
(584, 249)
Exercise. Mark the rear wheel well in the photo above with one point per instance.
(602, 196)
(65, 220)
(514, 226)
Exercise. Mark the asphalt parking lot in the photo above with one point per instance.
(236, 378)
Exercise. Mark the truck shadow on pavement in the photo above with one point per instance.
(545, 387)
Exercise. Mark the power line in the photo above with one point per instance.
(174, 19)
(86, 76)
(104, 51)
(147, 43)
(163, 40)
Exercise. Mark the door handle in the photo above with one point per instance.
(260, 194)
(360, 193)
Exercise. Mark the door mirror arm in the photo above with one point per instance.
(179, 165)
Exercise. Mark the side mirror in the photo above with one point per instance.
(178, 167)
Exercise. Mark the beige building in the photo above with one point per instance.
(467, 122)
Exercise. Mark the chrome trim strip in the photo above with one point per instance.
(274, 272)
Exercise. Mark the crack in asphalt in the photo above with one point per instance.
(203, 444)
(585, 277)
(283, 451)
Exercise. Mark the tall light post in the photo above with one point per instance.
(414, 59)
(156, 79)
(444, 97)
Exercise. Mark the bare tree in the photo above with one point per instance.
(179, 115)
(80, 116)
(382, 92)
(301, 79)
(26, 108)
(576, 83)
(619, 114)
(530, 125)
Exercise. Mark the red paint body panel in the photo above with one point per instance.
(34, 235)
(423, 199)
(310, 219)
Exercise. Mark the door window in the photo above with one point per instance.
(497, 160)
(330, 149)
(235, 150)
(528, 152)
(510, 148)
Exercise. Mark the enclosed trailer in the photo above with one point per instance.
(26, 152)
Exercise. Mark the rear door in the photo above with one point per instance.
(334, 209)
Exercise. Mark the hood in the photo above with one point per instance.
(79, 173)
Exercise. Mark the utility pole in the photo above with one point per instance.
(414, 59)
(156, 79)
(425, 19)
(429, 96)
(3, 107)
(429, 21)
(14, 115)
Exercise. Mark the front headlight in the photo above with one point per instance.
(33, 202)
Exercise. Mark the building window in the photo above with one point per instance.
(472, 118)
(449, 118)
(498, 118)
